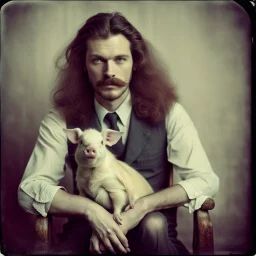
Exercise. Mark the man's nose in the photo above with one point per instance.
(109, 70)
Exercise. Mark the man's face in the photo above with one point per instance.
(107, 58)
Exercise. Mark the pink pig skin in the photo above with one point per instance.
(110, 182)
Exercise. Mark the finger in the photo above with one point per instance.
(109, 246)
(102, 248)
(122, 238)
(94, 246)
(117, 244)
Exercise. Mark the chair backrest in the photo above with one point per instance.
(171, 176)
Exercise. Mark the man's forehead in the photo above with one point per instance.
(117, 44)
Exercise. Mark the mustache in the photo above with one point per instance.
(112, 80)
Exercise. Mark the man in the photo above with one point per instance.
(110, 68)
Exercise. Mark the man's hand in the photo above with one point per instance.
(96, 246)
(106, 230)
(130, 219)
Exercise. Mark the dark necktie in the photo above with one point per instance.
(118, 148)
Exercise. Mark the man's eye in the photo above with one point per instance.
(96, 61)
(120, 60)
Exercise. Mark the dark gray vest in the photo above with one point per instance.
(145, 150)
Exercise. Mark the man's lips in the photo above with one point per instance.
(109, 86)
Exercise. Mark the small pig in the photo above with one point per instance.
(110, 182)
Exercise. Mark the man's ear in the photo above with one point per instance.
(73, 134)
(111, 137)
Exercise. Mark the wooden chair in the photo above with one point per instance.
(202, 233)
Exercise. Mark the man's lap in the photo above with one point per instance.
(76, 234)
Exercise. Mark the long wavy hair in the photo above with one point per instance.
(152, 91)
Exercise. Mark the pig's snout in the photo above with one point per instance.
(90, 152)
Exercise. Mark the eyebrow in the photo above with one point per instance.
(117, 56)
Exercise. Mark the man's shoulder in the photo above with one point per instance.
(177, 115)
(53, 116)
(176, 109)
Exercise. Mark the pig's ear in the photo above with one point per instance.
(73, 134)
(111, 137)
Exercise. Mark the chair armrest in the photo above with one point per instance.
(203, 230)
(208, 204)
(43, 233)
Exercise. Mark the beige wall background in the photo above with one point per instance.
(206, 47)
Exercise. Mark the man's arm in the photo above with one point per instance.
(167, 198)
(189, 160)
(101, 221)
(45, 167)
(39, 193)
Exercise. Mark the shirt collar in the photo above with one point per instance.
(123, 110)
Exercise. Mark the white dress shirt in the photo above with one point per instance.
(124, 113)
(45, 167)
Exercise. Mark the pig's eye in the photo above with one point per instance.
(102, 142)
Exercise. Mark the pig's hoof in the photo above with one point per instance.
(117, 218)
(132, 201)
(128, 207)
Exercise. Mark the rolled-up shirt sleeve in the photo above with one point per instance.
(189, 158)
(45, 167)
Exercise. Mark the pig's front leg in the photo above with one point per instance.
(125, 178)
(119, 200)
(132, 200)
(103, 198)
